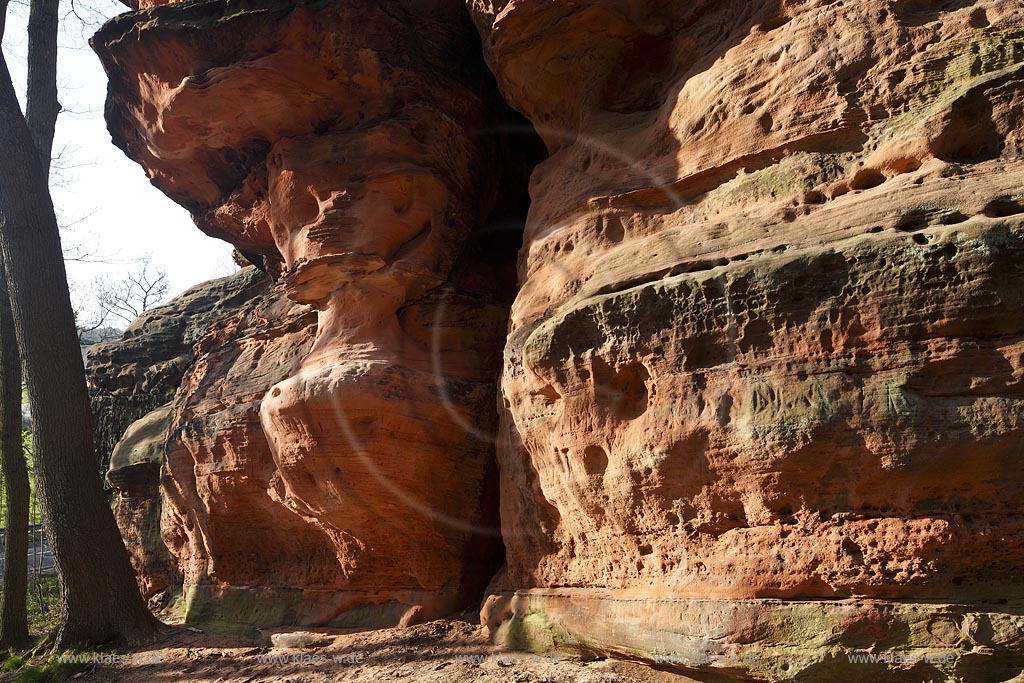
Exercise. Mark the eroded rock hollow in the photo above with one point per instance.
(761, 393)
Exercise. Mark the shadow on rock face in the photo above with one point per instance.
(362, 151)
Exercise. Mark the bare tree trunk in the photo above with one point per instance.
(14, 615)
(101, 600)
(41, 105)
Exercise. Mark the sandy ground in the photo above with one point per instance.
(442, 651)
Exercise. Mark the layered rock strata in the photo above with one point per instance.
(354, 148)
(133, 383)
(134, 477)
(762, 388)
(142, 371)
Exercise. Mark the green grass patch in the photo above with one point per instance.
(34, 515)
(43, 604)
(11, 663)
(56, 668)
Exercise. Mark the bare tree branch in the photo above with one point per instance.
(124, 301)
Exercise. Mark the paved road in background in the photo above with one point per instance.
(39, 554)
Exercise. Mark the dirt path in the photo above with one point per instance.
(445, 651)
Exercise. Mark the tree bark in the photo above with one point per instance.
(41, 105)
(101, 600)
(14, 614)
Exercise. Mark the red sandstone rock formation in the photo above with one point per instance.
(767, 343)
(762, 384)
(232, 538)
(351, 148)
(133, 383)
(132, 376)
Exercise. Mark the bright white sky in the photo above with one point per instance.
(106, 200)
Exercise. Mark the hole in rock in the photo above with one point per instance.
(906, 166)
(595, 461)
(548, 393)
(815, 197)
(614, 229)
(867, 178)
(622, 390)
(912, 222)
(952, 218)
(970, 133)
(979, 18)
(304, 209)
(1003, 207)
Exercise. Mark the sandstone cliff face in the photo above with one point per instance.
(767, 342)
(356, 149)
(133, 383)
(761, 392)
(232, 537)
(142, 371)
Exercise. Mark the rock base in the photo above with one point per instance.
(240, 609)
(764, 639)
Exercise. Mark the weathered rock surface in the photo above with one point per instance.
(228, 531)
(134, 476)
(142, 371)
(133, 383)
(761, 402)
(354, 148)
(767, 343)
